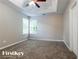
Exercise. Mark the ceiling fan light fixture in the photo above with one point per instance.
(32, 3)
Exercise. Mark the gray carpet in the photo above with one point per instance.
(35, 49)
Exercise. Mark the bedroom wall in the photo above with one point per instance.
(10, 25)
(50, 27)
(66, 27)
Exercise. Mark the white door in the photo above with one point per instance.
(74, 35)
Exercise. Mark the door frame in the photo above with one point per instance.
(73, 4)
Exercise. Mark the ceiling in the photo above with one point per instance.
(50, 6)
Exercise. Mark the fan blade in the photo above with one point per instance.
(37, 5)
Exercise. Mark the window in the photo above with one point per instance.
(32, 28)
(25, 26)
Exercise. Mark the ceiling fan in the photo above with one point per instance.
(34, 2)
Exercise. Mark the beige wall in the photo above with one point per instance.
(66, 27)
(49, 27)
(10, 25)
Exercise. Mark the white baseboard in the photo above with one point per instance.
(54, 40)
(47, 39)
(67, 45)
(12, 44)
(26, 39)
(36, 39)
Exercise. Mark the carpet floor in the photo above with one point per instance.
(35, 49)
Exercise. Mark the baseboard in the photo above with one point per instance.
(47, 39)
(54, 40)
(36, 39)
(67, 45)
(12, 44)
